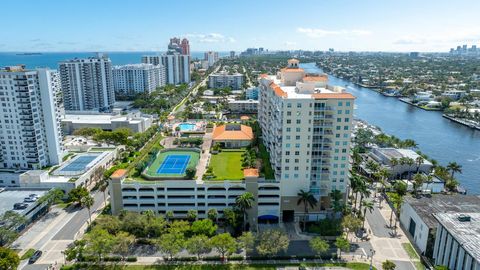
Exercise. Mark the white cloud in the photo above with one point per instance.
(448, 37)
(317, 32)
(211, 38)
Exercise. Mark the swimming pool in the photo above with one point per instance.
(187, 127)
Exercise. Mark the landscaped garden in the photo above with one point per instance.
(227, 164)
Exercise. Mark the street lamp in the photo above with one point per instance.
(372, 252)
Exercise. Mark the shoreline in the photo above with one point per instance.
(462, 122)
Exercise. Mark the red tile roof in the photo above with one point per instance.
(250, 172)
(119, 173)
(221, 133)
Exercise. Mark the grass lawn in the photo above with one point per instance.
(267, 167)
(227, 165)
(27, 254)
(152, 169)
(187, 266)
(410, 251)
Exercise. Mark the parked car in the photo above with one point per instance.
(20, 206)
(29, 199)
(36, 255)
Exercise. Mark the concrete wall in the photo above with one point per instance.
(421, 229)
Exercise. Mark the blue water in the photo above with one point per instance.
(436, 136)
(51, 60)
(187, 127)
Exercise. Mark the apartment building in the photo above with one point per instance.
(130, 80)
(87, 84)
(210, 58)
(223, 79)
(306, 126)
(177, 68)
(243, 106)
(152, 59)
(30, 130)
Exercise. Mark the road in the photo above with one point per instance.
(194, 90)
(54, 232)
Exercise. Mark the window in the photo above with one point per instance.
(299, 105)
(298, 121)
(287, 145)
(347, 120)
(297, 129)
(347, 103)
(289, 121)
(288, 129)
(339, 120)
(340, 103)
(347, 111)
(289, 105)
(297, 137)
(289, 113)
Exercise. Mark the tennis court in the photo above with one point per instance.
(174, 164)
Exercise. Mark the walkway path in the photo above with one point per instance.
(386, 245)
(204, 156)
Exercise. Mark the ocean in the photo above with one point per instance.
(51, 59)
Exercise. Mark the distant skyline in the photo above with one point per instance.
(147, 25)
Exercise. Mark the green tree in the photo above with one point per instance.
(230, 217)
(190, 172)
(388, 265)
(179, 226)
(318, 245)
(169, 215)
(203, 227)
(99, 242)
(122, 243)
(171, 243)
(10, 222)
(192, 214)
(9, 259)
(441, 267)
(418, 180)
(271, 242)
(351, 224)
(224, 244)
(243, 203)
(246, 241)
(342, 244)
(109, 223)
(77, 194)
(337, 205)
(198, 245)
(53, 196)
(212, 214)
(88, 201)
(308, 200)
(367, 205)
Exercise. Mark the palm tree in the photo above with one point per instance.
(367, 205)
(418, 180)
(243, 203)
(384, 175)
(357, 158)
(103, 189)
(336, 196)
(394, 162)
(364, 192)
(454, 167)
(410, 162)
(213, 214)
(372, 167)
(355, 182)
(419, 160)
(88, 201)
(307, 199)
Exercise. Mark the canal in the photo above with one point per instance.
(437, 137)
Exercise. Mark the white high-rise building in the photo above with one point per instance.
(138, 78)
(87, 84)
(211, 58)
(223, 79)
(177, 68)
(30, 130)
(152, 59)
(306, 127)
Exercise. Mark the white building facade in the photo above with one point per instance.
(177, 68)
(211, 58)
(306, 127)
(130, 80)
(30, 130)
(87, 84)
(223, 79)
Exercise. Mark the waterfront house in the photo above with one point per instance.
(384, 157)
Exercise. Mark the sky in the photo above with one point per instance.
(224, 25)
